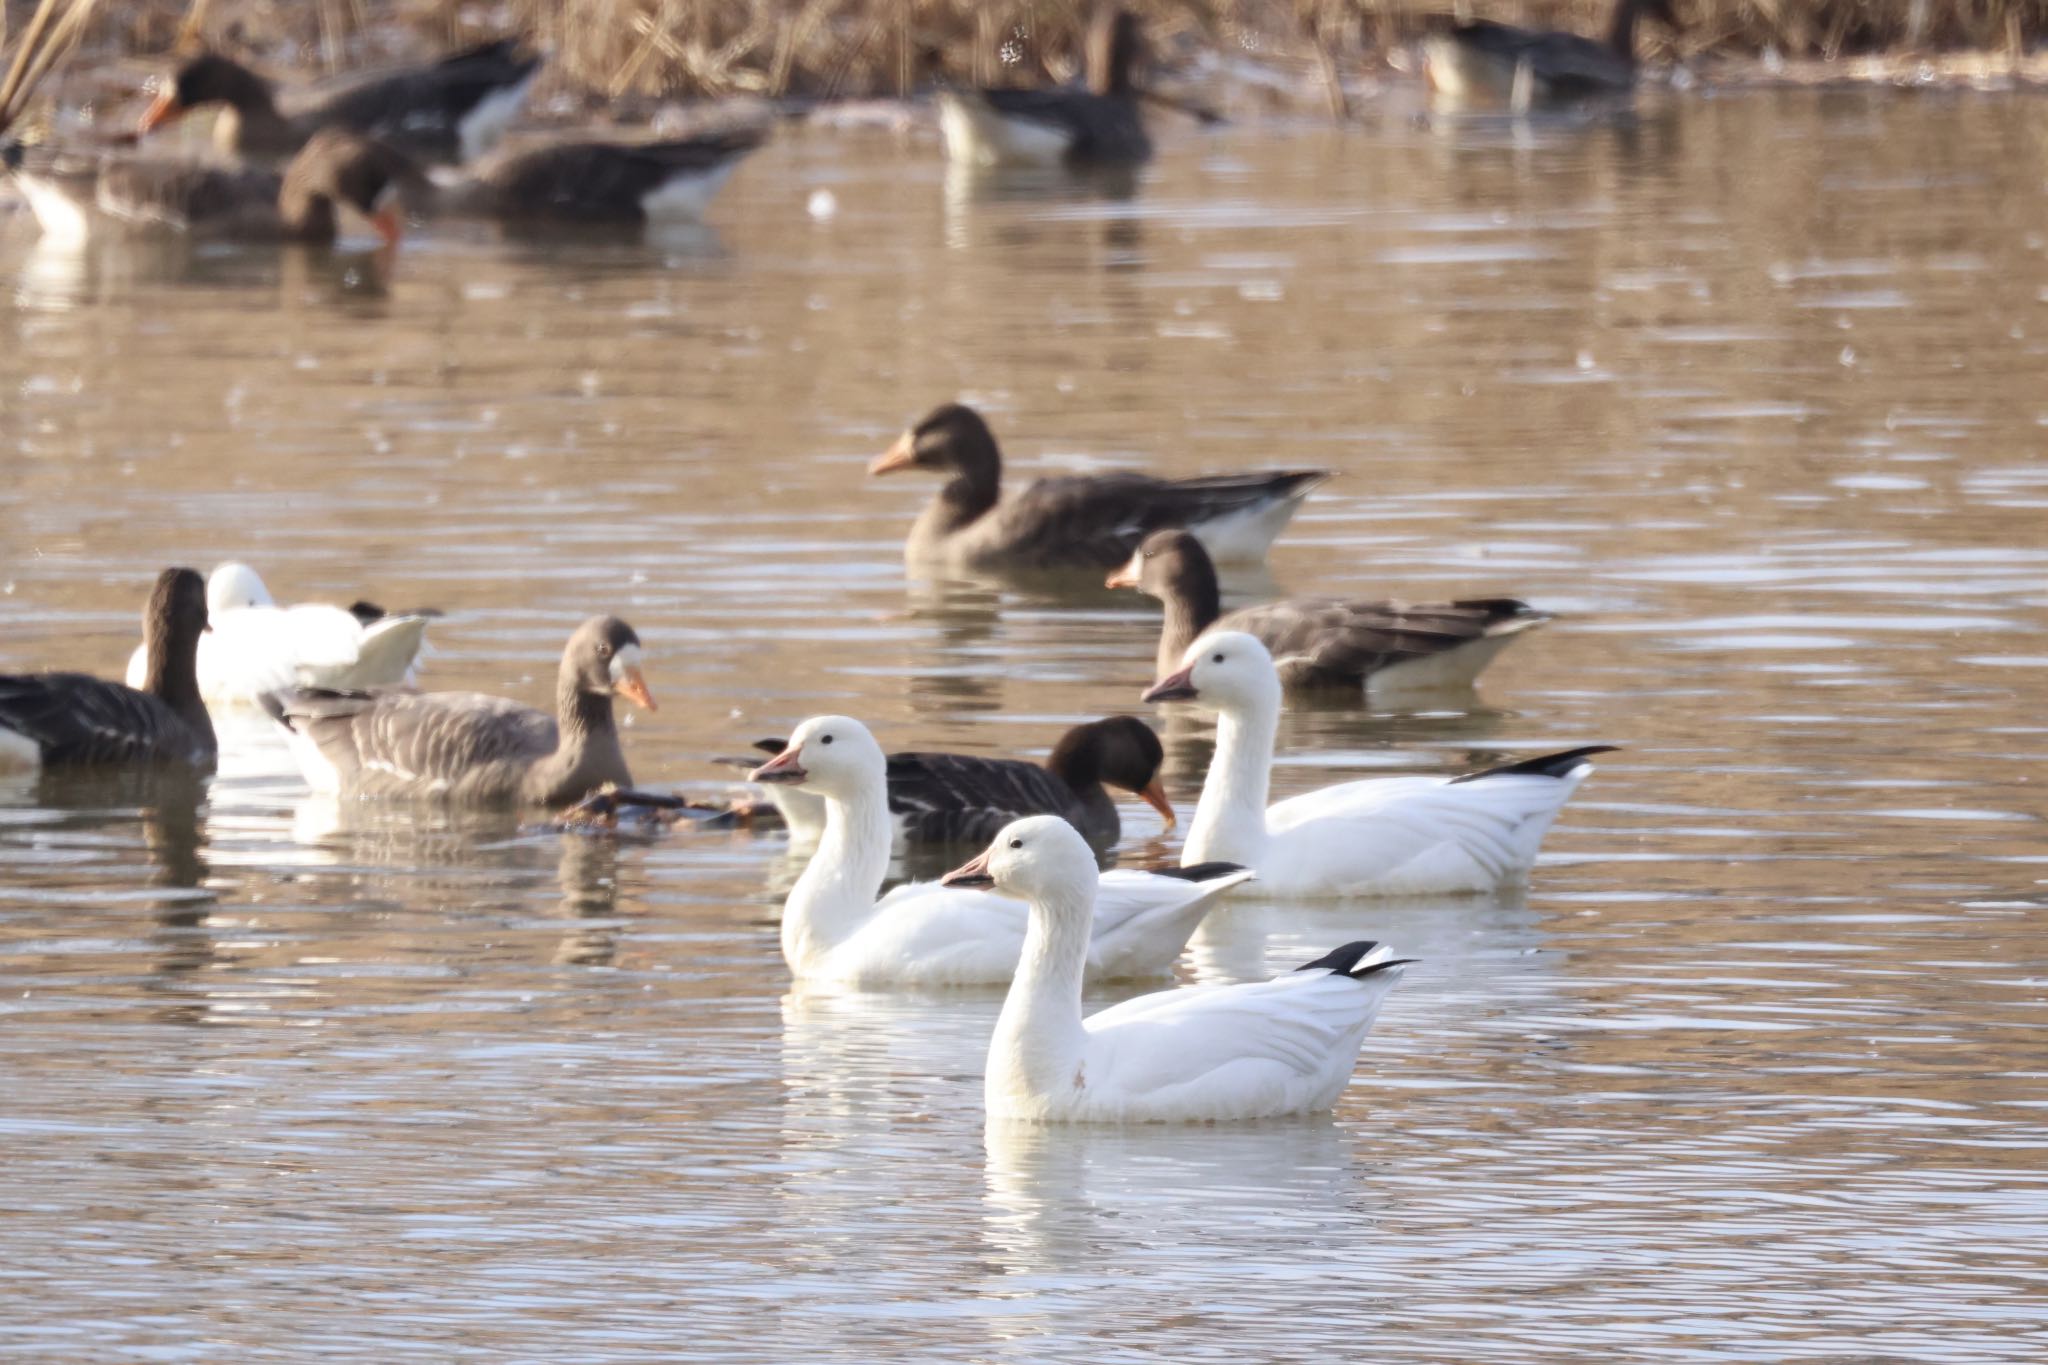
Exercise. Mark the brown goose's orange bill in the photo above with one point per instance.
(633, 688)
(164, 109)
(1154, 796)
(902, 455)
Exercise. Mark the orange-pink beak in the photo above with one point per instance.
(1154, 795)
(786, 766)
(975, 873)
(164, 109)
(902, 455)
(1173, 687)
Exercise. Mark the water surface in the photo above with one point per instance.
(1747, 390)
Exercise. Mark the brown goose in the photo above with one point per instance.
(1095, 124)
(447, 113)
(937, 798)
(1484, 63)
(72, 720)
(594, 184)
(78, 196)
(1078, 521)
(1322, 642)
(469, 748)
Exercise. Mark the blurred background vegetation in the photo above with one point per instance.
(853, 48)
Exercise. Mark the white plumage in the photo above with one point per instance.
(256, 646)
(924, 934)
(1380, 837)
(1285, 1046)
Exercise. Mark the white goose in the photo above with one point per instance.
(1393, 836)
(256, 646)
(1285, 1046)
(925, 934)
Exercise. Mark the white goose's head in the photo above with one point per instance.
(1230, 671)
(233, 585)
(832, 756)
(1040, 858)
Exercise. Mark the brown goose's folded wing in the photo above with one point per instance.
(958, 799)
(1099, 519)
(421, 109)
(462, 745)
(1566, 61)
(187, 196)
(1099, 127)
(603, 182)
(1327, 642)
(79, 721)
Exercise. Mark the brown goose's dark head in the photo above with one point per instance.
(1120, 752)
(172, 622)
(1169, 565)
(1116, 45)
(602, 659)
(337, 167)
(951, 440)
(206, 79)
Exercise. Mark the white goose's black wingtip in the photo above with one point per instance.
(1562, 764)
(1202, 872)
(1355, 960)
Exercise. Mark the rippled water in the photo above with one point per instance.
(1748, 390)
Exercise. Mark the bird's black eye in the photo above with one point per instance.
(826, 740)
(1016, 843)
(1216, 659)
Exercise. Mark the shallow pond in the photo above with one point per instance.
(1748, 390)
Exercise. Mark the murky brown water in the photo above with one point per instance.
(1749, 390)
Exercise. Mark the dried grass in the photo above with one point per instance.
(850, 48)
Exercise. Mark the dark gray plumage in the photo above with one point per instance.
(1096, 123)
(1079, 521)
(73, 720)
(427, 112)
(469, 748)
(1323, 642)
(961, 799)
(599, 184)
(222, 203)
(1481, 59)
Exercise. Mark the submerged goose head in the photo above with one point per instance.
(834, 756)
(602, 659)
(1120, 752)
(338, 168)
(1229, 672)
(1041, 858)
(232, 585)
(208, 78)
(952, 439)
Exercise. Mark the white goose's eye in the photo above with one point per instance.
(1217, 659)
(825, 740)
(1016, 843)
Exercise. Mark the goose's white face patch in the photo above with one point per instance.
(627, 657)
(18, 753)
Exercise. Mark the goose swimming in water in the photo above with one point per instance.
(1482, 63)
(937, 798)
(834, 928)
(1382, 646)
(1257, 1050)
(447, 113)
(256, 646)
(73, 720)
(469, 748)
(1079, 521)
(1389, 836)
(1095, 124)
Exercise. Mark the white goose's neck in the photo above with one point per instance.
(835, 896)
(1230, 819)
(1039, 1039)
